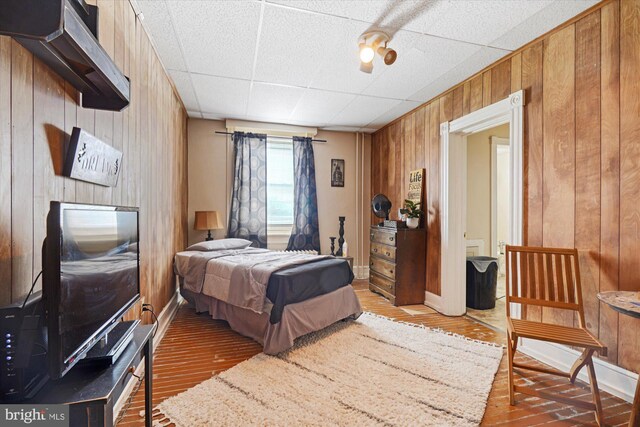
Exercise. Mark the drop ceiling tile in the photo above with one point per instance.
(476, 62)
(221, 95)
(426, 61)
(433, 11)
(360, 111)
(319, 106)
(393, 113)
(182, 81)
(385, 14)
(273, 102)
(542, 22)
(158, 24)
(343, 8)
(218, 38)
(295, 45)
(341, 71)
(481, 22)
(194, 114)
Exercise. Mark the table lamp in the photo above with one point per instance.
(207, 220)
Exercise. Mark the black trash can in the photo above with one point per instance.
(482, 278)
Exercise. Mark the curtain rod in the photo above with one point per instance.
(273, 136)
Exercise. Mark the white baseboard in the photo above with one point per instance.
(361, 271)
(164, 320)
(611, 378)
(434, 301)
(166, 316)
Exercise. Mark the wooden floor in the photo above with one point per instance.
(196, 347)
(494, 317)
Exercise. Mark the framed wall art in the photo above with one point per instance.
(337, 172)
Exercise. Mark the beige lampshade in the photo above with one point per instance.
(207, 220)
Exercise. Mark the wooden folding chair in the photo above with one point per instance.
(547, 277)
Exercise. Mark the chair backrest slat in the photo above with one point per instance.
(514, 273)
(524, 277)
(534, 291)
(544, 276)
(569, 282)
(551, 292)
(557, 258)
(541, 276)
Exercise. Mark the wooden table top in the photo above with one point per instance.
(625, 302)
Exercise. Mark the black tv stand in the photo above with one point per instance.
(110, 347)
(91, 392)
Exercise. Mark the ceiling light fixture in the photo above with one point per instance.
(366, 67)
(373, 42)
(388, 55)
(366, 53)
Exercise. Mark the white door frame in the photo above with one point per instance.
(452, 300)
(495, 142)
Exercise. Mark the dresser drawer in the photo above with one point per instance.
(382, 283)
(383, 236)
(383, 267)
(384, 251)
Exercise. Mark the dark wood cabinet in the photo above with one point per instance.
(397, 264)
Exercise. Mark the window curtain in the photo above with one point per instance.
(305, 234)
(248, 218)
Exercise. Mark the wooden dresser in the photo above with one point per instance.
(397, 264)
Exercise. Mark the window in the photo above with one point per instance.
(279, 182)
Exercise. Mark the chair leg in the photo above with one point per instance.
(511, 349)
(593, 382)
(582, 361)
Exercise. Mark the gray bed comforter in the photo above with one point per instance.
(238, 277)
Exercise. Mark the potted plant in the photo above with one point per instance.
(413, 212)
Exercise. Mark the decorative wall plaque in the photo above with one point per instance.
(416, 186)
(91, 160)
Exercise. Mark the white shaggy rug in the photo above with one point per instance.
(372, 371)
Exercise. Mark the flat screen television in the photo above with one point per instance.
(91, 277)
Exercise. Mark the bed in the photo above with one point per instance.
(271, 297)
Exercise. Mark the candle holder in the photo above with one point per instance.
(333, 245)
(341, 234)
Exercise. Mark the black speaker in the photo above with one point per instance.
(23, 363)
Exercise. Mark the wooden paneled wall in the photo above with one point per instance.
(38, 110)
(581, 156)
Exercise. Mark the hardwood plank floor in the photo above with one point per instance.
(196, 347)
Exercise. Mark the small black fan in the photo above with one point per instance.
(381, 206)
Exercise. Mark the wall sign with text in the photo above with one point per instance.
(416, 186)
(89, 159)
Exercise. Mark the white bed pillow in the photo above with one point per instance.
(219, 245)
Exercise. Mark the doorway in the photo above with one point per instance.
(487, 219)
(453, 138)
